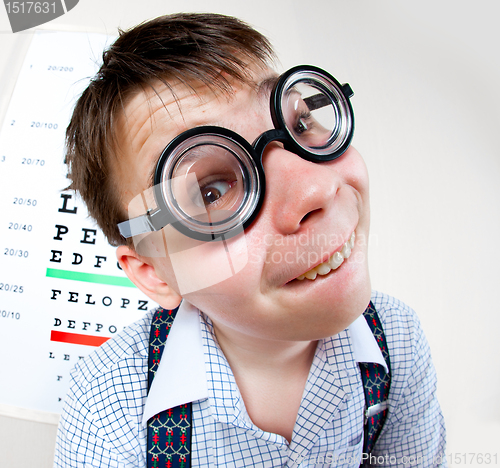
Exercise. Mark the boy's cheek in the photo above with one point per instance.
(191, 266)
(353, 168)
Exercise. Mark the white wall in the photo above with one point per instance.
(425, 77)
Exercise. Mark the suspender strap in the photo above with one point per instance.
(169, 433)
(376, 383)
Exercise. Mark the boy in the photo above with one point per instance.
(264, 248)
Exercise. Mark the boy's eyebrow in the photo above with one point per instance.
(266, 86)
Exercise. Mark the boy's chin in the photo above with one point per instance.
(328, 318)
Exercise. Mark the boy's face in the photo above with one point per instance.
(310, 210)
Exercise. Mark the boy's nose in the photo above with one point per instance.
(296, 188)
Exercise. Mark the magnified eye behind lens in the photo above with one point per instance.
(212, 192)
(311, 116)
(207, 179)
(209, 183)
(214, 195)
(315, 112)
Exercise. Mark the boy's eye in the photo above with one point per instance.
(297, 113)
(215, 190)
(310, 115)
(304, 123)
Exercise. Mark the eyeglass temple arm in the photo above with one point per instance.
(149, 222)
(317, 101)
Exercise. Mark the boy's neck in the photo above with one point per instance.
(260, 354)
(271, 376)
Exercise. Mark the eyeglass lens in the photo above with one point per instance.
(310, 116)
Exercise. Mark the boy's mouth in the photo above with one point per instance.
(332, 263)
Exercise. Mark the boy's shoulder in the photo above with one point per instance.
(396, 316)
(124, 355)
(409, 350)
(402, 328)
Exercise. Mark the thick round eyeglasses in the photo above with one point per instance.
(209, 182)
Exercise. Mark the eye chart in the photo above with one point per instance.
(62, 292)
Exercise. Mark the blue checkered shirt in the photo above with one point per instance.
(103, 420)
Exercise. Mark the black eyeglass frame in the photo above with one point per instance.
(155, 220)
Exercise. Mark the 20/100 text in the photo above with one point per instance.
(46, 125)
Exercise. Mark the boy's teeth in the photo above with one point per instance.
(351, 240)
(346, 250)
(323, 269)
(336, 260)
(311, 274)
(332, 263)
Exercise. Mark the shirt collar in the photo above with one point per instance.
(364, 345)
(181, 376)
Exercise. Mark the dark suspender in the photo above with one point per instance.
(376, 383)
(169, 433)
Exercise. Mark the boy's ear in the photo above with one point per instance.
(143, 274)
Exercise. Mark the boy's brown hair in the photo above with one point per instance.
(186, 48)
